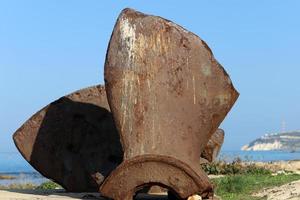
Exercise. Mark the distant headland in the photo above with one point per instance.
(285, 141)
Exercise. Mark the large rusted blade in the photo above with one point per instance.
(168, 95)
(213, 147)
(73, 140)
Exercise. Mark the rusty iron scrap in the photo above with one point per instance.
(168, 95)
(152, 124)
(208, 155)
(213, 147)
(61, 117)
(73, 140)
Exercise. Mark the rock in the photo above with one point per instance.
(73, 140)
(195, 197)
(213, 147)
(157, 190)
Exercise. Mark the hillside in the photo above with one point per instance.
(288, 141)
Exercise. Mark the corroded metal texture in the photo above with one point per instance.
(209, 154)
(60, 118)
(73, 140)
(168, 95)
(213, 147)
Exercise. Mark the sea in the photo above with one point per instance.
(13, 164)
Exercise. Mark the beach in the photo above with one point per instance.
(281, 166)
(60, 195)
(289, 191)
(15, 175)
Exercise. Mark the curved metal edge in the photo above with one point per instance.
(148, 170)
(39, 115)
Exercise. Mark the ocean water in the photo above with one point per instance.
(22, 178)
(14, 164)
(11, 162)
(263, 156)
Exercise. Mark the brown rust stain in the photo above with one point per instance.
(174, 95)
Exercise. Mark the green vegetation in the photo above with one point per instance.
(241, 180)
(235, 167)
(49, 185)
(21, 186)
(240, 187)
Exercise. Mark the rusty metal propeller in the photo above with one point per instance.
(168, 95)
(74, 141)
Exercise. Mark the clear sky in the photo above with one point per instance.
(51, 48)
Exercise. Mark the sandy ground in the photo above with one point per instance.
(292, 166)
(290, 191)
(54, 195)
(43, 195)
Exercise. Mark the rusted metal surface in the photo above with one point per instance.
(209, 154)
(73, 140)
(168, 95)
(213, 147)
(59, 117)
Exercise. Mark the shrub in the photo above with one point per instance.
(19, 186)
(234, 167)
(232, 184)
(49, 185)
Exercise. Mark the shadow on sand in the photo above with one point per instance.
(61, 194)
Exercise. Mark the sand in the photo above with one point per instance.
(45, 195)
(60, 195)
(292, 166)
(290, 191)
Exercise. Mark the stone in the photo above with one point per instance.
(195, 197)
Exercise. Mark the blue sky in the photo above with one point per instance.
(51, 48)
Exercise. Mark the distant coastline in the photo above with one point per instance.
(286, 141)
